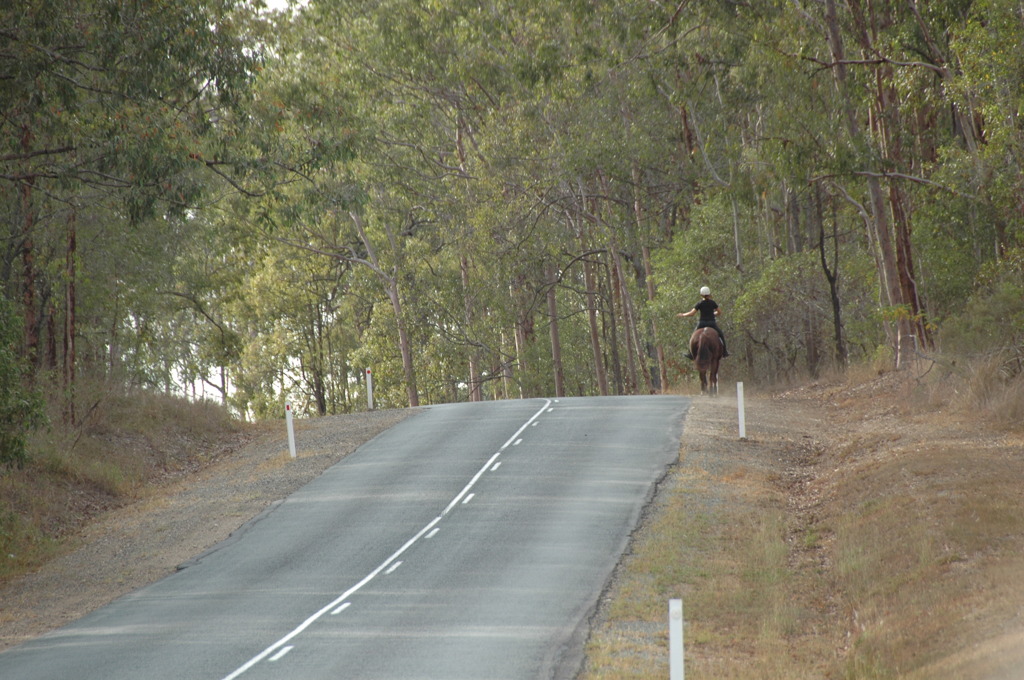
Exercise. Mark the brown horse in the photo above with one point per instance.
(706, 348)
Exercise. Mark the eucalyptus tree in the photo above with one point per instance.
(116, 120)
(972, 232)
(513, 166)
(426, 79)
(406, 121)
(590, 150)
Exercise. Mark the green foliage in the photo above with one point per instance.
(21, 407)
(266, 204)
(992, 317)
(705, 254)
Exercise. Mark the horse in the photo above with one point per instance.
(706, 348)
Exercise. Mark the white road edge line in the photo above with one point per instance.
(284, 650)
(385, 564)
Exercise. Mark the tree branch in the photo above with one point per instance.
(872, 62)
(885, 174)
(33, 154)
(212, 165)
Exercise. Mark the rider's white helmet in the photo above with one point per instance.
(705, 291)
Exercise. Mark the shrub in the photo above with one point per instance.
(993, 318)
(21, 408)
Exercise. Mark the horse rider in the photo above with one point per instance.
(708, 309)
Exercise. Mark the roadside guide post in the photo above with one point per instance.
(291, 429)
(739, 406)
(676, 666)
(369, 390)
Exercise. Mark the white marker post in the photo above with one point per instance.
(291, 429)
(369, 389)
(676, 665)
(739, 406)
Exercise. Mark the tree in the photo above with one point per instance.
(119, 114)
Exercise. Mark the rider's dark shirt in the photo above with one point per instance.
(707, 308)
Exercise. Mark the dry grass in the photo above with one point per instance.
(122, 445)
(871, 528)
(718, 538)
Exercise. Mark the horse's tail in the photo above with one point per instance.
(704, 353)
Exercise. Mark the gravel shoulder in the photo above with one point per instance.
(132, 546)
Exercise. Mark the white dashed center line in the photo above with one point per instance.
(281, 647)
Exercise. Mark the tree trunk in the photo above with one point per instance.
(832, 276)
(70, 319)
(879, 223)
(612, 328)
(475, 387)
(51, 335)
(404, 344)
(590, 283)
(887, 125)
(556, 347)
(506, 370)
(794, 235)
(736, 235)
(811, 341)
(475, 392)
(595, 337)
(519, 336)
(390, 283)
(28, 269)
(888, 116)
(523, 333)
(659, 351)
(642, 351)
(627, 330)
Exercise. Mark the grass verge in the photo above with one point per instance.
(870, 528)
(122, 444)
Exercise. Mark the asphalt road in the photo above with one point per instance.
(470, 541)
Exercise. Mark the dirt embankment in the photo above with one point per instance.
(908, 504)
